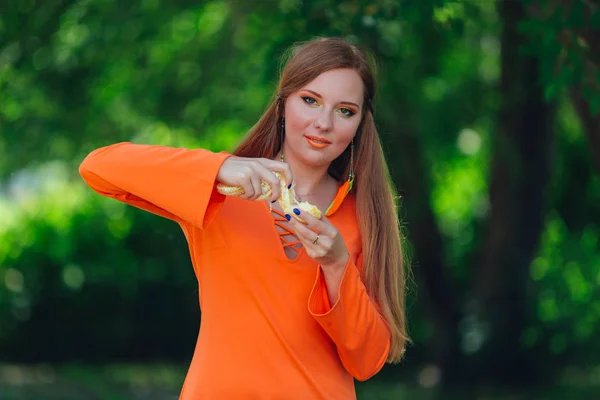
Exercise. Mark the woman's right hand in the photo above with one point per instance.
(247, 173)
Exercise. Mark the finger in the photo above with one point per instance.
(242, 179)
(324, 219)
(308, 237)
(279, 166)
(313, 222)
(246, 184)
(305, 234)
(269, 177)
(255, 181)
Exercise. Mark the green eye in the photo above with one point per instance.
(309, 100)
(347, 112)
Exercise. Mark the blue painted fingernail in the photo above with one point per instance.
(296, 211)
(274, 201)
(287, 216)
(289, 186)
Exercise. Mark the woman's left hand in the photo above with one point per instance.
(322, 241)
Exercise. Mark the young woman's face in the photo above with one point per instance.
(322, 117)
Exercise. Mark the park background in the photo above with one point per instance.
(489, 116)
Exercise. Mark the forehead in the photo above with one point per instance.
(338, 85)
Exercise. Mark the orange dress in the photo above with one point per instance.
(268, 330)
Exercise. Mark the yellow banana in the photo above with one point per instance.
(287, 198)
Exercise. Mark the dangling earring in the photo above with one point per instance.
(350, 182)
(282, 136)
(351, 174)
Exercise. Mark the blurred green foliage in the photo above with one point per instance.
(84, 278)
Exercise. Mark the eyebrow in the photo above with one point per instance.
(341, 102)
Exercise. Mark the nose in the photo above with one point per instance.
(324, 122)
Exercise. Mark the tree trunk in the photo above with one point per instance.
(427, 262)
(590, 120)
(519, 178)
(590, 124)
(409, 172)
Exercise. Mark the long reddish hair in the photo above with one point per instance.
(383, 270)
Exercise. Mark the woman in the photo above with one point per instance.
(290, 310)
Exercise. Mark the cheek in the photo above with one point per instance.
(295, 124)
(346, 131)
(297, 116)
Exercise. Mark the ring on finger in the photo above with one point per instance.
(316, 239)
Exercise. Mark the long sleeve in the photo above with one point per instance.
(175, 183)
(359, 332)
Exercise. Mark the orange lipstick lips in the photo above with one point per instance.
(317, 142)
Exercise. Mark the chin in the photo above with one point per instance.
(317, 158)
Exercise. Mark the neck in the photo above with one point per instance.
(308, 179)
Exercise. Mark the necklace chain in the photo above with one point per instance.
(281, 158)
